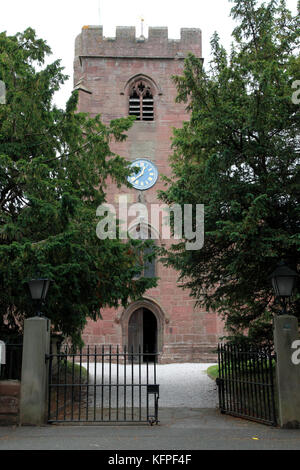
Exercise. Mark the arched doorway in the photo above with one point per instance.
(161, 318)
(142, 333)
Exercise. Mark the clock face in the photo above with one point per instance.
(146, 177)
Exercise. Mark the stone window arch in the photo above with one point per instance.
(141, 100)
(144, 231)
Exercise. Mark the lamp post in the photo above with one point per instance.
(283, 281)
(286, 332)
(38, 290)
(35, 367)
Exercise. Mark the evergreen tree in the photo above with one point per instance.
(54, 168)
(239, 156)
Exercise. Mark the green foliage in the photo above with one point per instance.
(239, 156)
(54, 169)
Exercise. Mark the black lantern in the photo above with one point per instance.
(283, 282)
(38, 290)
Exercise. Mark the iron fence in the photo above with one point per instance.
(11, 370)
(246, 382)
(103, 385)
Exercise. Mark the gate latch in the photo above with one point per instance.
(153, 390)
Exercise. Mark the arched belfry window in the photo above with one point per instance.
(144, 232)
(141, 103)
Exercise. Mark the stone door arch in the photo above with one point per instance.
(132, 318)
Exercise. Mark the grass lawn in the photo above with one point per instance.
(213, 372)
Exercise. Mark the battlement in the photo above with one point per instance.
(91, 43)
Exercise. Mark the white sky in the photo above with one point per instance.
(59, 22)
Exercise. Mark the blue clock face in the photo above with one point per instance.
(146, 177)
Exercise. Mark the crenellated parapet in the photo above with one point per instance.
(91, 43)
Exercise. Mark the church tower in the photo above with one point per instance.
(129, 75)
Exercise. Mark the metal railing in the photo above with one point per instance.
(11, 370)
(103, 385)
(246, 382)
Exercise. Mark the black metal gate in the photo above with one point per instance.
(246, 383)
(103, 386)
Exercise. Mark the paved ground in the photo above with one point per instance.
(180, 429)
(189, 420)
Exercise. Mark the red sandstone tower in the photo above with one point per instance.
(123, 76)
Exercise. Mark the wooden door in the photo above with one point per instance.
(135, 332)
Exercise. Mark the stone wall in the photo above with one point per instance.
(9, 402)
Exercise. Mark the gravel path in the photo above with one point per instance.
(181, 385)
(186, 385)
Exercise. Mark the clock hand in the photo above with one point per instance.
(138, 176)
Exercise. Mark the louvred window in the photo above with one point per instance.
(141, 102)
